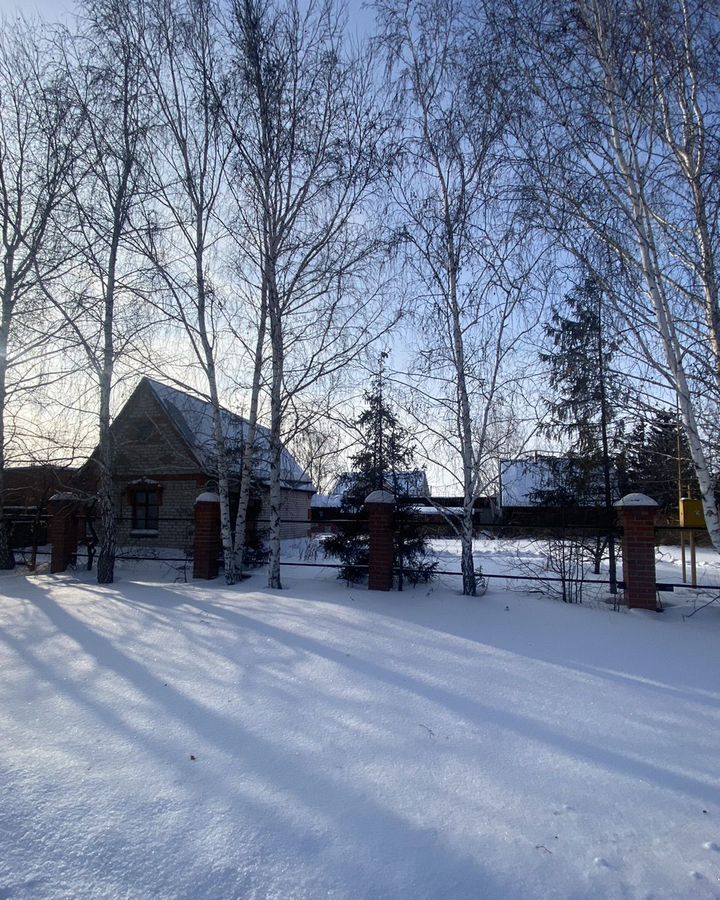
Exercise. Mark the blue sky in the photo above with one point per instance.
(54, 9)
(49, 9)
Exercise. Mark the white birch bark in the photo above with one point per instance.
(276, 340)
(443, 198)
(249, 456)
(104, 186)
(620, 164)
(308, 147)
(642, 219)
(189, 175)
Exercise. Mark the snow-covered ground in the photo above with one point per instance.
(195, 741)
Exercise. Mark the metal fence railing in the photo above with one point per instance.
(569, 531)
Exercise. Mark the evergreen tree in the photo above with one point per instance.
(385, 452)
(385, 446)
(657, 455)
(585, 399)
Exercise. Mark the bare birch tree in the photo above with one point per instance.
(624, 151)
(101, 301)
(455, 222)
(308, 137)
(189, 162)
(37, 132)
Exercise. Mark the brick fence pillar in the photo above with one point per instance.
(638, 513)
(381, 507)
(207, 542)
(63, 530)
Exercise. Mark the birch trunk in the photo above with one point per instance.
(221, 459)
(189, 178)
(276, 341)
(653, 276)
(7, 559)
(467, 564)
(223, 480)
(708, 270)
(690, 152)
(106, 501)
(464, 419)
(249, 455)
(108, 532)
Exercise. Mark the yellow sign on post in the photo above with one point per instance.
(691, 516)
(691, 513)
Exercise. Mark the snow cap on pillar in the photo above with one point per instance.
(208, 497)
(380, 497)
(636, 500)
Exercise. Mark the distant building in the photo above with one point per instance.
(412, 484)
(552, 483)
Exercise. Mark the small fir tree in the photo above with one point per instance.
(385, 451)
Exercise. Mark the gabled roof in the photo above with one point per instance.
(192, 418)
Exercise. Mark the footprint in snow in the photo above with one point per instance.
(601, 863)
(711, 845)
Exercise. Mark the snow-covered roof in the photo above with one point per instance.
(523, 482)
(325, 501)
(192, 416)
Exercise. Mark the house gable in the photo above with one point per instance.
(147, 442)
(193, 419)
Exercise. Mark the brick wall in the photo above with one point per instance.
(148, 446)
(146, 442)
(175, 513)
(380, 523)
(639, 558)
(294, 505)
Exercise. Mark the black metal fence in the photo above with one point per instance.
(29, 530)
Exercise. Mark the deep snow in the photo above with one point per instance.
(197, 741)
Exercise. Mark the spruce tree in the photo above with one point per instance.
(657, 456)
(585, 399)
(385, 450)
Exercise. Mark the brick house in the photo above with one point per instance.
(165, 457)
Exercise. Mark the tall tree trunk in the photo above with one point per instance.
(464, 422)
(249, 449)
(223, 481)
(609, 511)
(276, 341)
(108, 532)
(648, 254)
(7, 559)
(108, 527)
(221, 458)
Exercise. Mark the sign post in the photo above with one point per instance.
(691, 516)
